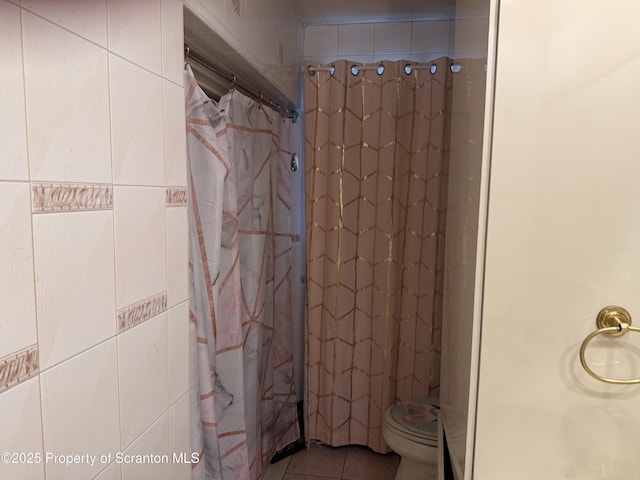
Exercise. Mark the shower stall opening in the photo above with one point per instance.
(369, 247)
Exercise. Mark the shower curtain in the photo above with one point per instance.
(243, 405)
(375, 190)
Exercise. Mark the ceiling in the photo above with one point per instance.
(328, 12)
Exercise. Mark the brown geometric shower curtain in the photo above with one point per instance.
(375, 190)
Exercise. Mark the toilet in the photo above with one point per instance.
(411, 430)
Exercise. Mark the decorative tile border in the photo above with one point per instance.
(65, 197)
(135, 314)
(18, 367)
(176, 196)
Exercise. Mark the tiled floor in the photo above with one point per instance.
(321, 462)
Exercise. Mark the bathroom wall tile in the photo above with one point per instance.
(471, 35)
(180, 437)
(178, 351)
(175, 143)
(392, 57)
(355, 39)
(237, 19)
(17, 294)
(74, 282)
(427, 56)
(297, 178)
(177, 255)
(172, 40)
(270, 37)
(129, 317)
(139, 41)
(68, 107)
(296, 213)
(136, 124)
(143, 374)
(112, 472)
(21, 429)
(296, 260)
(392, 37)
(216, 7)
(18, 367)
(68, 197)
(71, 422)
(322, 60)
(360, 58)
(87, 19)
(430, 36)
(13, 133)
(140, 254)
(176, 196)
(154, 441)
(321, 41)
(256, 28)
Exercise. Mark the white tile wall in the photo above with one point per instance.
(172, 40)
(113, 471)
(139, 41)
(21, 429)
(178, 351)
(140, 243)
(85, 422)
(136, 124)
(154, 441)
(86, 19)
(179, 437)
(372, 42)
(91, 97)
(175, 169)
(13, 133)
(67, 97)
(74, 282)
(392, 37)
(144, 382)
(355, 39)
(17, 294)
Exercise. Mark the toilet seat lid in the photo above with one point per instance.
(418, 416)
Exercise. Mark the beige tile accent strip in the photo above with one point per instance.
(176, 196)
(18, 367)
(64, 197)
(134, 314)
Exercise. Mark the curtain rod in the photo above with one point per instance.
(233, 80)
(379, 67)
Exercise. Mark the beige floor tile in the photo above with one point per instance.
(276, 471)
(295, 476)
(319, 460)
(364, 464)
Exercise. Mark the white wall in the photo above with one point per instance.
(563, 241)
(93, 236)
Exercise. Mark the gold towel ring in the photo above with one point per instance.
(613, 321)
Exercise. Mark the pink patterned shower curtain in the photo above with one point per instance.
(243, 407)
(375, 189)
